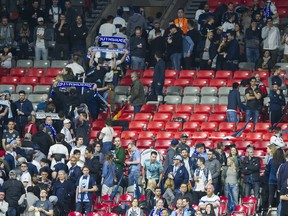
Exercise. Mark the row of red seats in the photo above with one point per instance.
(27, 80)
(93, 214)
(35, 72)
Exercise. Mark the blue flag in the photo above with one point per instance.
(238, 133)
(136, 193)
(116, 188)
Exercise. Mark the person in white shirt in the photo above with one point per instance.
(210, 198)
(118, 21)
(107, 29)
(25, 176)
(276, 139)
(271, 39)
(230, 24)
(58, 148)
(66, 131)
(285, 43)
(107, 134)
(3, 204)
(41, 37)
(54, 12)
(80, 147)
(76, 68)
(152, 33)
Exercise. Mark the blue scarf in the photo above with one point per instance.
(103, 52)
(267, 11)
(53, 131)
(75, 84)
(84, 183)
(112, 39)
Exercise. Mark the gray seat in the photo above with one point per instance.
(174, 90)
(27, 88)
(247, 66)
(224, 91)
(242, 90)
(40, 89)
(3, 87)
(172, 99)
(284, 66)
(223, 100)
(35, 98)
(14, 97)
(191, 90)
(24, 63)
(209, 100)
(122, 90)
(208, 91)
(58, 63)
(41, 64)
(190, 100)
(120, 98)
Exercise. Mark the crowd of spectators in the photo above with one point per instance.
(50, 166)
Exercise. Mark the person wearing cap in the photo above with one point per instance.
(66, 130)
(171, 152)
(3, 204)
(277, 139)
(13, 190)
(152, 168)
(42, 206)
(41, 36)
(30, 198)
(277, 103)
(177, 172)
(182, 144)
(27, 144)
(24, 108)
(10, 135)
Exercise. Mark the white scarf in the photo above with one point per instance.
(84, 183)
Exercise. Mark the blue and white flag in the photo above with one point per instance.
(112, 39)
(136, 192)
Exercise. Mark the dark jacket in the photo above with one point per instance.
(95, 168)
(276, 101)
(26, 107)
(78, 35)
(176, 45)
(251, 167)
(75, 173)
(180, 177)
(137, 93)
(10, 161)
(233, 51)
(66, 30)
(185, 195)
(83, 129)
(159, 72)
(171, 152)
(47, 36)
(43, 140)
(13, 190)
(133, 21)
(212, 49)
(149, 194)
(269, 65)
(252, 38)
(134, 50)
(282, 176)
(270, 171)
(234, 100)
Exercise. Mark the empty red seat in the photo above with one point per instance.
(36, 72)
(240, 210)
(209, 126)
(10, 80)
(197, 117)
(129, 108)
(164, 143)
(263, 74)
(227, 126)
(242, 74)
(200, 83)
(29, 81)
(125, 142)
(220, 109)
(262, 126)
(171, 74)
(207, 143)
(182, 82)
(249, 127)
(4, 71)
(126, 117)
(126, 81)
(251, 203)
(146, 134)
(146, 81)
(203, 108)
(261, 145)
(188, 74)
(137, 125)
(205, 74)
(164, 135)
(147, 143)
(253, 136)
(143, 117)
(282, 11)
(125, 199)
(223, 74)
(185, 108)
(74, 213)
(162, 116)
(148, 73)
(138, 71)
(284, 126)
(53, 72)
(267, 136)
(178, 135)
(223, 205)
(217, 117)
(217, 83)
(151, 108)
(191, 126)
(259, 153)
(166, 108)
(200, 135)
(217, 135)
(240, 144)
(155, 126)
(129, 134)
(98, 124)
(184, 116)
(20, 72)
(173, 126)
(46, 80)
(230, 82)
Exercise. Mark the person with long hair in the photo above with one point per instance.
(209, 210)
(108, 174)
(270, 150)
(169, 189)
(134, 210)
(271, 170)
(235, 156)
(149, 194)
(6, 58)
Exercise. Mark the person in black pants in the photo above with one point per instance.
(277, 101)
(62, 30)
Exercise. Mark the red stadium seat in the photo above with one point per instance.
(259, 153)
(148, 73)
(151, 108)
(36, 72)
(205, 74)
(110, 214)
(98, 125)
(129, 134)
(164, 135)
(282, 11)
(242, 74)
(227, 126)
(217, 83)
(188, 74)
(217, 135)
(146, 134)
(207, 143)
(223, 74)
(101, 208)
(249, 127)
(162, 116)
(242, 144)
(164, 143)
(191, 126)
(200, 135)
(74, 213)
(125, 199)
(240, 210)
(262, 126)
(125, 142)
(126, 117)
(20, 72)
(200, 83)
(173, 126)
(94, 214)
(161, 151)
(137, 125)
(168, 82)
(139, 72)
(4, 71)
(171, 74)
(220, 109)
(201, 108)
(182, 82)
(10, 80)
(143, 117)
(253, 136)
(126, 81)
(46, 80)
(217, 117)
(284, 126)
(53, 72)
(166, 108)
(178, 135)
(184, 116)
(223, 205)
(251, 203)
(209, 126)
(145, 143)
(263, 74)
(197, 117)
(94, 133)
(230, 82)
(261, 145)
(185, 108)
(146, 81)
(155, 126)
(29, 81)
(267, 136)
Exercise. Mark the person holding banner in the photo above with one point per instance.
(107, 29)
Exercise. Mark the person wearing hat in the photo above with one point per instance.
(171, 152)
(182, 144)
(66, 130)
(277, 102)
(13, 190)
(177, 172)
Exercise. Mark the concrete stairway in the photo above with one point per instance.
(96, 12)
(191, 8)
